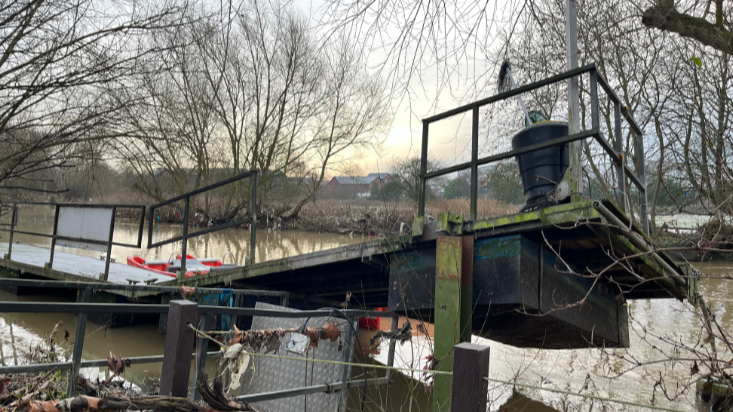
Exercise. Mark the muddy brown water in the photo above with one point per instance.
(589, 371)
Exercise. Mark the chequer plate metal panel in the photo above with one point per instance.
(271, 374)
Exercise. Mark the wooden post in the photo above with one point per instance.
(448, 271)
(178, 345)
(470, 370)
(81, 326)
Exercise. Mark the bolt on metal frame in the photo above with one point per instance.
(252, 174)
(613, 150)
(13, 206)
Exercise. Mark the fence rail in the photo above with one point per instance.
(55, 236)
(83, 308)
(613, 149)
(186, 197)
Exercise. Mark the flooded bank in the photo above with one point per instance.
(655, 362)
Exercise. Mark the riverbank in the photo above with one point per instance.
(376, 218)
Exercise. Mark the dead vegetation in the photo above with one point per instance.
(376, 218)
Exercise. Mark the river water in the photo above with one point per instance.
(636, 378)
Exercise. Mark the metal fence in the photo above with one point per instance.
(614, 150)
(54, 236)
(252, 174)
(83, 307)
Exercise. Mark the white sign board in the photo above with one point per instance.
(84, 223)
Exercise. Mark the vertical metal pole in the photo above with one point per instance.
(253, 225)
(140, 229)
(466, 297)
(150, 226)
(618, 146)
(347, 355)
(641, 173)
(423, 170)
(81, 327)
(53, 238)
(595, 123)
(571, 35)
(448, 262)
(109, 244)
(184, 246)
(474, 165)
(13, 218)
(207, 322)
(392, 344)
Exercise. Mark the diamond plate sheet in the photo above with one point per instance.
(271, 374)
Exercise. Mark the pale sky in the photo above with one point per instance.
(449, 139)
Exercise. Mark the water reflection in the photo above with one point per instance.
(270, 244)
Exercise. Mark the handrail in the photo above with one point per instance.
(54, 236)
(84, 308)
(615, 151)
(186, 212)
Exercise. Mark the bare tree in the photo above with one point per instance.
(54, 61)
(693, 21)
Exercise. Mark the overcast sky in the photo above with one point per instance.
(431, 90)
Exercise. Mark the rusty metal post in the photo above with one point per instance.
(84, 296)
(13, 218)
(178, 345)
(470, 387)
(466, 287)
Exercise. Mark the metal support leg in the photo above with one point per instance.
(447, 315)
(474, 165)
(53, 239)
(392, 344)
(105, 276)
(466, 287)
(571, 32)
(13, 218)
(81, 327)
(253, 225)
(207, 321)
(184, 246)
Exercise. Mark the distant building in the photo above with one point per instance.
(352, 186)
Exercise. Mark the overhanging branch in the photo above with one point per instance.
(664, 16)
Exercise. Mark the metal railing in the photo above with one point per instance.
(614, 151)
(54, 236)
(186, 212)
(83, 307)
